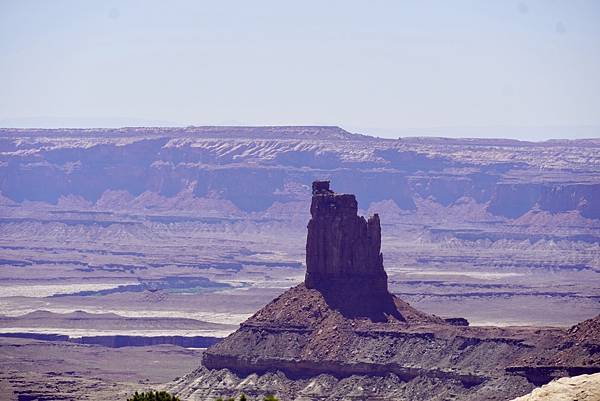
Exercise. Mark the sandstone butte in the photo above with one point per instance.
(341, 335)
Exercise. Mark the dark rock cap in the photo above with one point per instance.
(321, 188)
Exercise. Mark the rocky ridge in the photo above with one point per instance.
(342, 335)
(580, 388)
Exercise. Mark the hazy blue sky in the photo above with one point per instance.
(480, 68)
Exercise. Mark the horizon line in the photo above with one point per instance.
(313, 126)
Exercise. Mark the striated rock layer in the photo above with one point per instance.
(341, 335)
(302, 349)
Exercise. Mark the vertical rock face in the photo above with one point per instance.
(343, 250)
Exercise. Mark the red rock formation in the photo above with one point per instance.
(342, 248)
(343, 258)
(341, 335)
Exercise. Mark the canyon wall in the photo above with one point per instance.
(254, 168)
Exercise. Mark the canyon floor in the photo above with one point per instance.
(55, 370)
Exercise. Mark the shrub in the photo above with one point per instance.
(243, 398)
(153, 396)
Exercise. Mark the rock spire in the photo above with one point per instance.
(343, 250)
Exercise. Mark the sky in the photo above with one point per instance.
(519, 69)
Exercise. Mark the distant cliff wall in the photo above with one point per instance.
(254, 168)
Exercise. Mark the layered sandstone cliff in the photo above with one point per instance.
(249, 165)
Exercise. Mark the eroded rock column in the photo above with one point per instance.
(343, 250)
